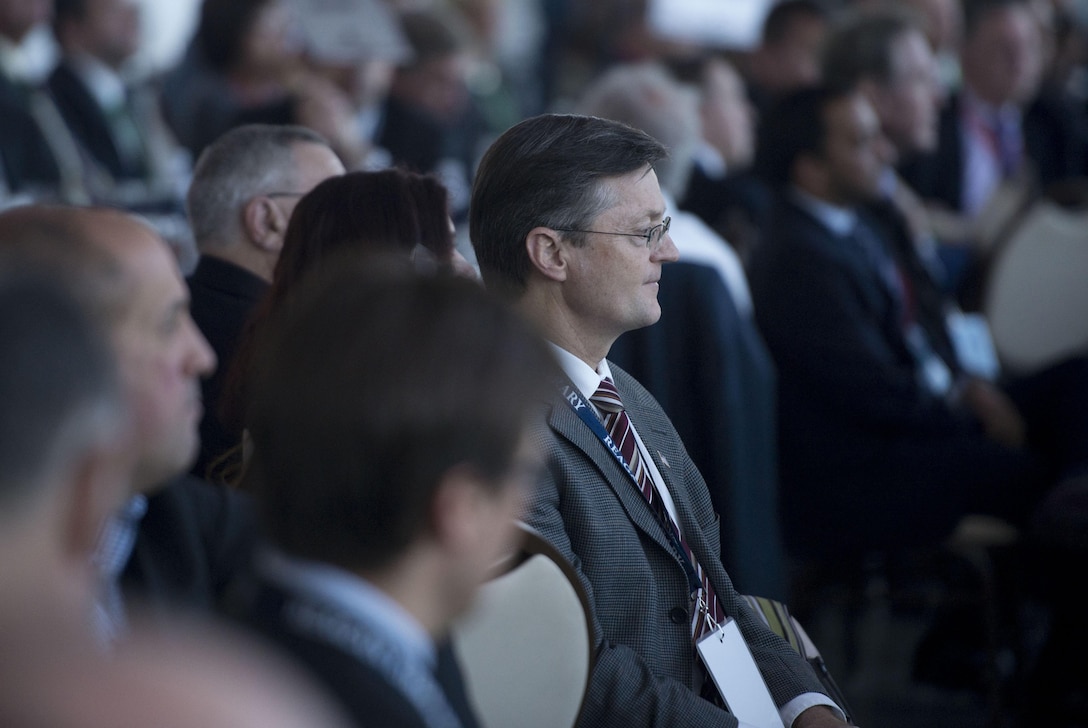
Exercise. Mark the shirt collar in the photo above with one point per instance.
(839, 220)
(118, 537)
(354, 596)
(104, 84)
(585, 378)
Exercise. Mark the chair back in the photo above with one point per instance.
(1036, 292)
(526, 650)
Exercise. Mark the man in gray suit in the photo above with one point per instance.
(568, 223)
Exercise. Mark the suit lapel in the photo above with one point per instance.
(665, 449)
(570, 427)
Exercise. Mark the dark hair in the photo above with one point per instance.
(377, 382)
(433, 33)
(65, 10)
(392, 211)
(976, 11)
(58, 383)
(796, 126)
(546, 170)
(222, 28)
(862, 47)
(784, 15)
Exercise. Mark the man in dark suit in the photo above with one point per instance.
(245, 186)
(390, 459)
(126, 152)
(568, 223)
(997, 129)
(880, 446)
(177, 540)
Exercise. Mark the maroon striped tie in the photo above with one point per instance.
(618, 424)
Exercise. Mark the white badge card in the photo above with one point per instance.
(731, 666)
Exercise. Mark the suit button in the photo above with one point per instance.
(678, 615)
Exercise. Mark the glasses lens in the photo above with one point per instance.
(657, 232)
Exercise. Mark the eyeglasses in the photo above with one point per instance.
(653, 236)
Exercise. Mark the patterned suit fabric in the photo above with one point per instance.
(644, 674)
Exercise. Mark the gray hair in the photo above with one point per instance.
(244, 162)
(646, 97)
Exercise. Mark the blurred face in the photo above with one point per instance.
(908, 104)
(110, 30)
(798, 55)
(1003, 58)
(438, 85)
(855, 154)
(612, 281)
(161, 353)
(728, 117)
(17, 17)
(270, 48)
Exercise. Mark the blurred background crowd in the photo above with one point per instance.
(979, 111)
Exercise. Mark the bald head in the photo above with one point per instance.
(126, 278)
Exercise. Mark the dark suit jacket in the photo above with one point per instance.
(28, 162)
(1053, 141)
(736, 206)
(592, 513)
(868, 457)
(367, 696)
(195, 541)
(88, 124)
(223, 296)
(708, 368)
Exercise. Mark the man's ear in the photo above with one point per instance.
(265, 223)
(547, 252)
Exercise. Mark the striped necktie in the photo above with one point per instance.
(618, 424)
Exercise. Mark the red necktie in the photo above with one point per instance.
(618, 424)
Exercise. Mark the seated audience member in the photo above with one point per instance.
(244, 187)
(129, 157)
(390, 211)
(433, 83)
(723, 407)
(879, 449)
(29, 161)
(386, 480)
(886, 55)
(63, 469)
(355, 45)
(244, 65)
(788, 54)
(995, 131)
(568, 223)
(721, 189)
(942, 22)
(177, 542)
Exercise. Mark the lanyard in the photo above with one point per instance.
(586, 414)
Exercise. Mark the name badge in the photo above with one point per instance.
(730, 664)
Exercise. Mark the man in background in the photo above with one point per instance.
(390, 459)
(244, 188)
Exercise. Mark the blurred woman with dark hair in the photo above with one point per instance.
(390, 211)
